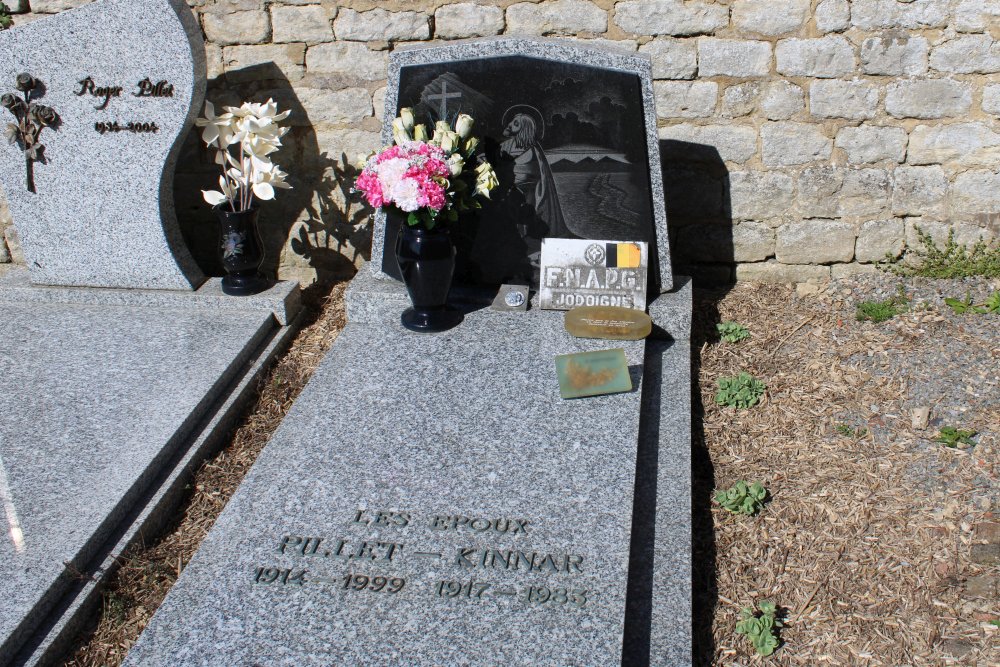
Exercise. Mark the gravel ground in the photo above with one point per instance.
(874, 544)
(869, 543)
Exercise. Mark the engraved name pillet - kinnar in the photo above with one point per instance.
(465, 558)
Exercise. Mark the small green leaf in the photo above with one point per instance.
(760, 627)
(741, 391)
(993, 303)
(742, 498)
(950, 436)
(960, 307)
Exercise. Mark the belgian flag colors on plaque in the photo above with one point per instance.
(622, 256)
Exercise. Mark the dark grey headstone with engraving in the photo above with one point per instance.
(571, 132)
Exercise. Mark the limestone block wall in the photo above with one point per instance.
(801, 139)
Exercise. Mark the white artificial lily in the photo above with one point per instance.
(266, 181)
(216, 127)
(214, 197)
(245, 137)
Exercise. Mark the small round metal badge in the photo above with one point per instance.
(514, 299)
(594, 254)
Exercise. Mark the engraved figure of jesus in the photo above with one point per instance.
(532, 173)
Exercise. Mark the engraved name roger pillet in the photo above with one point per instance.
(368, 562)
(106, 93)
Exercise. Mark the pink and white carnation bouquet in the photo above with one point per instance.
(426, 180)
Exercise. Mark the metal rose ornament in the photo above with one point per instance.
(25, 82)
(31, 118)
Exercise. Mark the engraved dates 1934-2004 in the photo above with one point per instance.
(135, 128)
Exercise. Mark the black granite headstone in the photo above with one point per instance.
(568, 143)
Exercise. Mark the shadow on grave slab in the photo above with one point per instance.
(697, 193)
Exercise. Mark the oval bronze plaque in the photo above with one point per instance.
(609, 322)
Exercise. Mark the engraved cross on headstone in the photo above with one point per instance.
(444, 96)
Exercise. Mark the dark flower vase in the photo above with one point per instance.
(427, 263)
(241, 251)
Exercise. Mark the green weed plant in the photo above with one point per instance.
(953, 437)
(6, 20)
(963, 306)
(845, 430)
(743, 498)
(881, 311)
(732, 332)
(761, 627)
(741, 391)
(952, 261)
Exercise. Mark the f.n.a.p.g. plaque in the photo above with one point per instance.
(580, 272)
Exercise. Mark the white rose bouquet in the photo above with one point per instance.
(245, 137)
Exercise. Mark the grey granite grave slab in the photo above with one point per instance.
(283, 299)
(558, 51)
(103, 213)
(465, 423)
(658, 629)
(103, 408)
(50, 642)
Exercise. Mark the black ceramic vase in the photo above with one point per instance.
(427, 263)
(241, 250)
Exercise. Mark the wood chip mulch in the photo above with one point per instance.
(868, 542)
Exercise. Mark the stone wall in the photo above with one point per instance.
(802, 139)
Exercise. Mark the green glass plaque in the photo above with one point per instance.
(593, 373)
